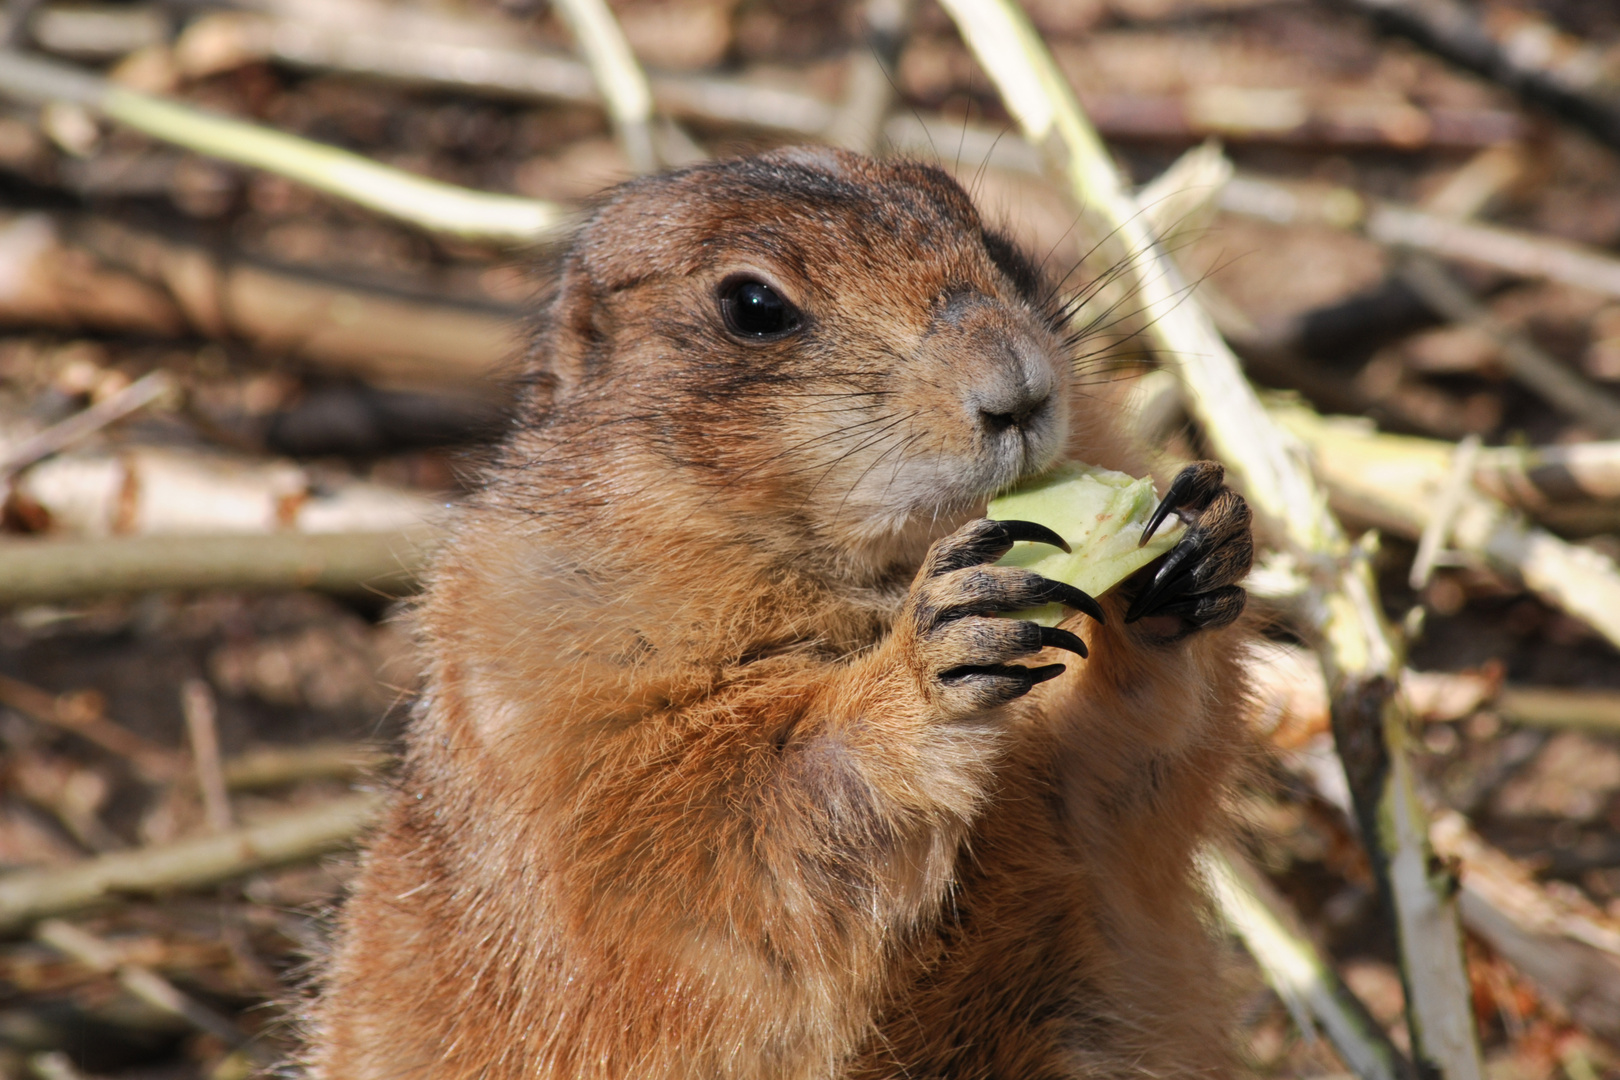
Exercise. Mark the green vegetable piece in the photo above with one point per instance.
(1101, 513)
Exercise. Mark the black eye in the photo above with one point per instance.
(755, 310)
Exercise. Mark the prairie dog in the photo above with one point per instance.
(726, 766)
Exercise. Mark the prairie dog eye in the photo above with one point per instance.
(752, 309)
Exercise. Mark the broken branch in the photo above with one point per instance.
(190, 864)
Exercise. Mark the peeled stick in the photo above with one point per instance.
(1101, 513)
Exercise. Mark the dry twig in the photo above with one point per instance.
(1531, 367)
(624, 87)
(1393, 481)
(1521, 254)
(51, 571)
(84, 714)
(189, 864)
(139, 981)
(1299, 974)
(135, 396)
(1567, 80)
(202, 729)
(96, 274)
(429, 204)
(1362, 659)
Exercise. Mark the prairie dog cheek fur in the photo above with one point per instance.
(723, 770)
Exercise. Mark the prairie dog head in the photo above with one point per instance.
(812, 339)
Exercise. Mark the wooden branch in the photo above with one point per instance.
(51, 571)
(91, 273)
(202, 730)
(139, 981)
(1521, 254)
(273, 766)
(1361, 656)
(618, 75)
(1393, 481)
(1300, 975)
(31, 895)
(1535, 478)
(1558, 706)
(869, 79)
(1531, 367)
(1570, 949)
(1541, 75)
(429, 204)
(1572, 953)
(84, 714)
(458, 54)
(152, 490)
(137, 395)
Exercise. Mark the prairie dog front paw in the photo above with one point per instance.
(959, 650)
(1195, 587)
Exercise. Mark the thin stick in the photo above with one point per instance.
(869, 78)
(1521, 254)
(190, 864)
(1362, 659)
(1538, 477)
(1393, 481)
(1438, 529)
(272, 766)
(1559, 707)
(140, 981)
(138, 394)
(50, 571)
(197, 702)
(83, 713)
(1531, 367)
(428, 203)
(1563, 942)
(624, 86)
(1299, 974)
(1543, 73)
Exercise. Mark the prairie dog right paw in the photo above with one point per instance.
(960, 651)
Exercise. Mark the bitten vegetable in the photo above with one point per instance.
(1101, 513)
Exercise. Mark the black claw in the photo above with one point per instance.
(1032, 532)
(1193, 488)
(1045, 672)
(1166, 582)
(1055, 637)
(1069, 596)
(1025, 677)
(1160, 512)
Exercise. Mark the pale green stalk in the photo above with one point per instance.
(430, 204)
(1362, 659)
(623, 84)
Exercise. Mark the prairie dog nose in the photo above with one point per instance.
(1015, 392)
(1010, 407)
(1008, 381)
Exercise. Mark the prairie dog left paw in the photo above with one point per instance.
(1195, 586)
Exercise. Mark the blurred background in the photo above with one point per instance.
(241, 379)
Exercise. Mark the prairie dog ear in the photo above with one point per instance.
(572, 333)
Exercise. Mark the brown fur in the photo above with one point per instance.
(685, 797)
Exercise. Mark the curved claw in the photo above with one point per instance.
(1045, 671)
(1193, 488)
(1062, 592)
(1055, 637)
(1165, 582)
(1032, 531)
(1025, 676)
